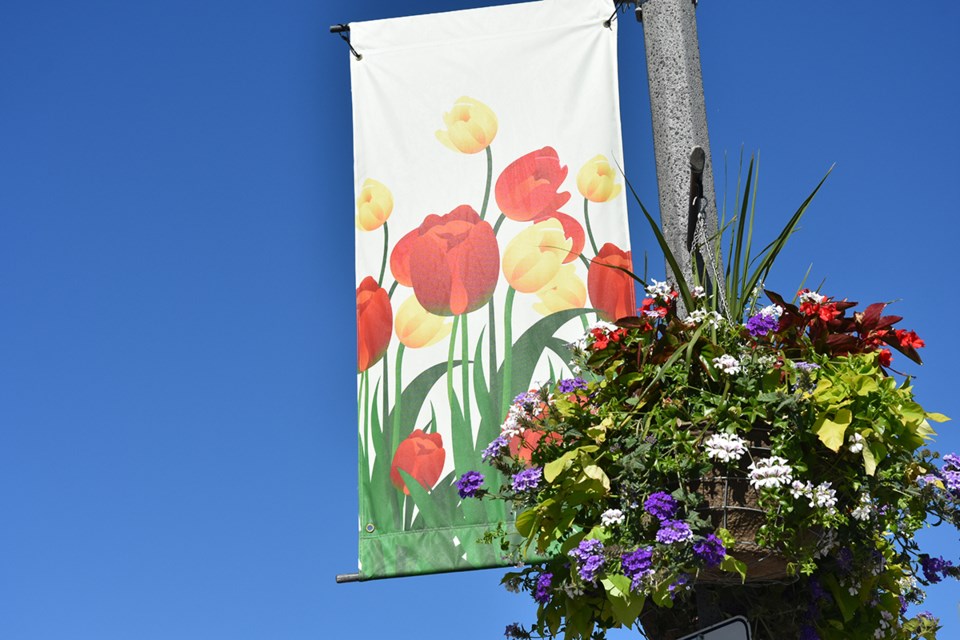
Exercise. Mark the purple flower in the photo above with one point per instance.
(660, 504)
(928, 615)
(845, 560)
(673, 531)
(515, 631)
(542, 592)
(469, 484)
(527, 479)
(934, 569)
(637, 564)
(808, 632)
(680, 583)
(589, 557)
(569, 385)
(527, 399)
(710, 550)
(951, 462)
(817, 592)
(760, 325)
(805, 366)
(494, 448)
(951, 478)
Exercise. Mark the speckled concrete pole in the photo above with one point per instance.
(679, 117)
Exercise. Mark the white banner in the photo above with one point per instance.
(490, 210)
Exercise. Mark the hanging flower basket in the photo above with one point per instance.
(744, 457)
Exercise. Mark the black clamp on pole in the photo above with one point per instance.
(342, 30)
(695, 212)
(347, 577)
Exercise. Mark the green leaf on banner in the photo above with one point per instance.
(413, 397)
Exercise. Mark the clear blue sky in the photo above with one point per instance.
(177, 432)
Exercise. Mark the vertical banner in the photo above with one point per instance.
(491, 220)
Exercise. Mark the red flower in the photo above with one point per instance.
(451, 261)
(374, 323)
(421, 455)
(572, 230)
(909, 339)
(611, 290)
(885, 357)
(527, 188)
(522, 446)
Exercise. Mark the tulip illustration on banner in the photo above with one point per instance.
(444, 345)
(596, 183)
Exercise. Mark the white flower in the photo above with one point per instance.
(856, 443)
(823, 496)
(725, 447)
(728, 364)
(801, 489)
(812, 296)
(698, 316)
(864, 510)
(611, 517)
(770, 472)
(659, 290)
(771, 311)
(698, 292)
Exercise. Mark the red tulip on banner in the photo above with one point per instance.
(422, 456)
(374, 323)
(611, 290)
(527, 188)
(572, 230)
(451, 261)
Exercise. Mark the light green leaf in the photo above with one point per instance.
(925, 431)
(525, 522)
(732, 565)
(626, 607)
(554, 468)
(596, 473)
(831, 431)
(869, 461)
(937, 417)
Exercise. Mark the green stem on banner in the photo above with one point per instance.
(453, 344)
(500, 220)
(583, 321)
(492, 331)
(396, 401)
(361, 411)
(365, 383)
(386, 247)
(507, 348)
(586, 218)
(393, 288)
(385, 421)
(486, 192)
(465, 370)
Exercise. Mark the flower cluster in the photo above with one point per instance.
(674, 429)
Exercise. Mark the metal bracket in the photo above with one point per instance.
(342, 30)
(343, 578)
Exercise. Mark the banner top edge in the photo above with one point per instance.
(425, 29)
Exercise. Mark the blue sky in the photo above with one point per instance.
(177, 432)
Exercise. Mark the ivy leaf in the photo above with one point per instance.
(525, 522)
(596, 473)
(626, 607)
(558, 466)
(732, 565)
(831, 431)
(869, 461)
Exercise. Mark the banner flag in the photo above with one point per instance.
(490, 218)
